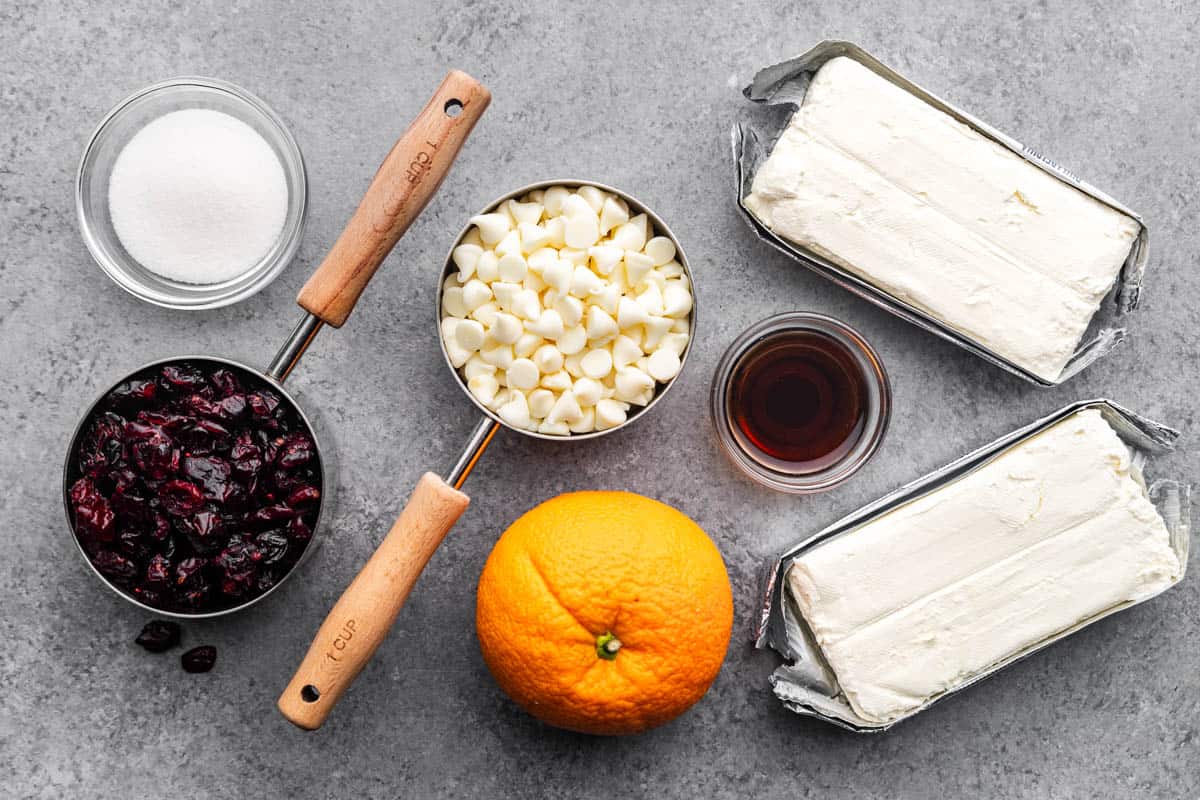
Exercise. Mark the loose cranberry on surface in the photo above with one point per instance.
(199, 659)
(194, 487)
(159, 636)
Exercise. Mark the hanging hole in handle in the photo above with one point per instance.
(453, 107)
(310, 694)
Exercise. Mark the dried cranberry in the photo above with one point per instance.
(135, 544)
(263, 403)
(273, 545)
(213, 475)
(225, 382)
(181, 378)
(103, 447)
(189, 573)
(159, 636)
(134, 393)
(304, 496)
(204, 436)
(205, 530)
(295, 450)
(299, 529)
(199, 659)
(180, 497)
(158, 570)
(94, 516)
(246, 456)
(115, 566)
(128, 501)
(268, 516)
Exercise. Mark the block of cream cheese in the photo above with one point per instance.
(1051, 533)
(901, 194)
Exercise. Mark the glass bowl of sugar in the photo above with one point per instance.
(192, 194)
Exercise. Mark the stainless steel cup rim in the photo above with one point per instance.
(321, 506)
(873, 432)
(661, 228)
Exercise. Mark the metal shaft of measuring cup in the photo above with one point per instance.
(480, 438)
(293, 349)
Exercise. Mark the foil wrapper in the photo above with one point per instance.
(807, 686)
(781, 89)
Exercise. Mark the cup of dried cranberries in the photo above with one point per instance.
(193, 487)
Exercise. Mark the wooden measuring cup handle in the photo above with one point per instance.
(406, 180)
(361, 618)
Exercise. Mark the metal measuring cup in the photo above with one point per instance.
(360, 620)
(406, 180)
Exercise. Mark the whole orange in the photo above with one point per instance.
(604, 612)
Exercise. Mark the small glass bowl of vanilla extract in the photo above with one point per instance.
(800, 402)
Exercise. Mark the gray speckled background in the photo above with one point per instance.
(640, 96)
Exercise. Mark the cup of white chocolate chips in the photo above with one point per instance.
(566, 308)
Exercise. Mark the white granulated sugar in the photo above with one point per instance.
(198, 196)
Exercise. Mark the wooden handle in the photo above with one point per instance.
(361, 618)
(405, 182)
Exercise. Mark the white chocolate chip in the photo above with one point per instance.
(485, 315)
(505, 330)
(572, 340)
(573, 365)
(557, 382)
(578, 258)
(586, 422)
(487, 269)
(630, 313)
(476, 366)
(661, 249)
(663, 364)
(449, 325)
(610, 414)
(672, 269)
(677, 300)
(501, 355)
(652, 300)
(525, 213)
(516, 411)
(566, 408)
(527, 345)
(452, 302)
(681, 326)
(465, 257)
(522, 374)
(492, 227)
(577, 206)
(553, 199)
(541, 258)
(469, 334)
(588, 391)
(631, 382)
(637, 267)
(558, 275)
(594, 196)
(458, 356)
(612, 214)
(526, 305)
(484, 387)
(582, 230)
(631, 235)
(556, 229)
(540, 403)
(505, 292)
(475, 294)
(510, 245)
(533, 282)
(472, 237)
(533, 237)
(549, 324)
(570, 309)
(605, 257)
(600, 326)
(585, 283)
(512, 268)
(656, 329)
(548, 359)
(597, 363)
(554, 429)
(675, 342)
(625, 351)
(608, 298)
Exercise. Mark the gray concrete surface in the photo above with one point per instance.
(640, 96)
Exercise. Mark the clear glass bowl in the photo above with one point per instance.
(876, 413)
(115, 131)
